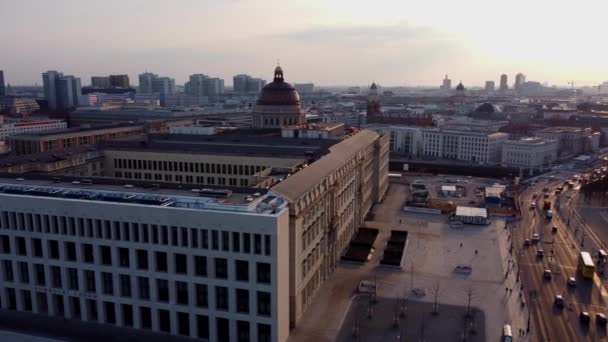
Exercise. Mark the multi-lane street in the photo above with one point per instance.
(560, 240)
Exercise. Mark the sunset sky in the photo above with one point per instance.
(328, 42)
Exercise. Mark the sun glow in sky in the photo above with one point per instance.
(328, 42)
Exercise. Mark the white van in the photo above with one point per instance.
(507, 336)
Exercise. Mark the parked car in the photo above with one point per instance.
(527, 242)
(571, 282)
(532, 205)
(540, 254)
(584, 317)
(535, 238)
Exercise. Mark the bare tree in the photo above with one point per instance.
(436, 291)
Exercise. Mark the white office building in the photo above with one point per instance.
(529, 153)
(476, 147)
(405, 140)
(204, 264)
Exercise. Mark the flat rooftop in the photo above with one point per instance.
(143, 193)
(471, 212)
(50, 134)
(562, 129)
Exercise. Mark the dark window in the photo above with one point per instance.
(246, 242)
(24, 272)
(225, 241)
(174, 236)
(242, 270)
(184, 231)
(236, 242)
(266, 244)
(20, 245)
(6, 244)
(89, 278)
(242, 331)
(87, 253)
(162, 287)
(164, 322)
(221, 268)
(194, 233)
(221, 298)
(37, 248)
(70, 251)
(201, 295)
(107, 283)
(40, 275)
(106, 255)
(263, 332)
(161, 261)
(214, 240)
(200, 265)
(242, 301)
(142, 259)
(8, 270)
(145, 317)
(127, 315)
(223, 329)
(75, 306)
(53, 249)
(11, 298)
(43, 304)
(257, 243)
(202, 324)
(110, 314)
(125, 285)
(92, 309)
(205, 235)
(123, 257)
(181, 263)
(264, 303)
(59, 306)
(143, 285)
(263, 272)
(56, 276)
(183, 324)
(26, 297)
(73, 279)
(181, 289)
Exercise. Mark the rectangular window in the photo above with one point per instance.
(161, 261)
(123, 257)
(242, 270)
(202, 325)
(174, 236)
(73, 279)
(242, 331)
(201, 295)
(266, 244)
(194, 237)
(263, 272)
(56, 277)
(70, 251)
(37, 248)
(242, 301)
(127, 315)
(26, 297)
(184, 233)
(110, 313)
(125, 285)
(8, 270)
(106, 255)
(89, 278)
(236, 243)
(225, 241)
(92, 309)
(164, 321)
(221, 268)
(263, 303)
(87, 253)
(162, 287)
(53, 249)
(142, 259)
(214, 240)
(246, 242)
(183, 323)
(264, 333)
(143, 285)
(24, 272)
(181, 263)
(6, 244)
(145, 317)
(257, 243)
(205, 235)
(20, 245)
(200, 265)
(221, 298)
(222, 329)
(181, 292)
(107, 283)
(40, 274)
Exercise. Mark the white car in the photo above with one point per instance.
(535, 238)
(532, 205)
(572, 282)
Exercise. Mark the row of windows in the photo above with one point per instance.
(122, 257)
(134, 287)
(235, 242)
(182, 179)
(175, 166)
(93, 310)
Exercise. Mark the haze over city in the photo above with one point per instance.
(326, 42)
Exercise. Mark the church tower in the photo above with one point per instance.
(373, 102)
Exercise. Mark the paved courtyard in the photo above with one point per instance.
(433, 251)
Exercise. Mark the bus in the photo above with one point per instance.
(585, 265)
(507, 336)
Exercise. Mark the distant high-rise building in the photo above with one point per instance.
(150, 83)
(304, 88)
(61, 92)
(447, 83)
(100, 82)
(489, 85)
(520, 79)
(202, 86)
(119, 81)
(145, 82)
(504, 85)
(2, 89)
(245, 84)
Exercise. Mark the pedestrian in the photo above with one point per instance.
(506, 290)
(461, 245)
(475, 252)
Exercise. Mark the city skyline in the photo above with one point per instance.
(394, 44)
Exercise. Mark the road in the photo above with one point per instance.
(547, 322)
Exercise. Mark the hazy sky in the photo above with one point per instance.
(328, 42)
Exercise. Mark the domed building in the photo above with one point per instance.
(278, 105)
